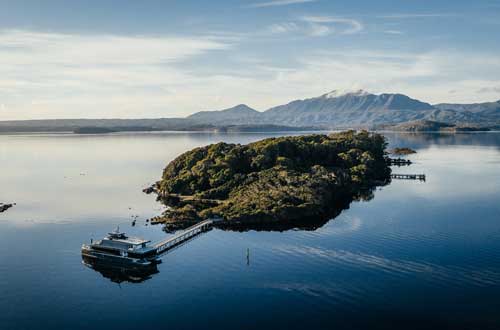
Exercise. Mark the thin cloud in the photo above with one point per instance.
(318, 30)
(279, 3)
(283, 27)
(317, 26)
(33, 48)
(67, 75)
(397, 32)
(317, 19)
(326, 25)
(489, 90)
(101, 76)
(403, 16)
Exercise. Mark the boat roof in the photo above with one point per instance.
(118, 236)
(128, 240)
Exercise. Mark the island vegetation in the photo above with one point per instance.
(402, 151)
(299, 181)
(93, 130)
(433, 126)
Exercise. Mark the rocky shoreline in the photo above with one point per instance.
(5, 207)
(281, 183)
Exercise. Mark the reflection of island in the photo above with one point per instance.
(306, 223)
(119, 274)
(277, 183)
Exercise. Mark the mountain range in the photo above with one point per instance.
(354, 109)
(336, 109)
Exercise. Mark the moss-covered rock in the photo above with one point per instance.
(277, 180)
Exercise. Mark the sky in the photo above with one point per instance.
(169, 58)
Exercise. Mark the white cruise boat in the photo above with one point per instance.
(120, 249)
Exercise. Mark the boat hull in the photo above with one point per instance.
(122, 261)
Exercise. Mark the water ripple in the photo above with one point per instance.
(481, 277)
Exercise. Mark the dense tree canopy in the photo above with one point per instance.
(275, 179)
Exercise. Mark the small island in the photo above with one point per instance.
(285, 182)
(403, 151)
(433, 126)
(108, 130)
(93, 130)
(5, 207)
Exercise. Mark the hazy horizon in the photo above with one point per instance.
(183, 116)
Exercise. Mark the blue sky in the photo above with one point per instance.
(132, 59)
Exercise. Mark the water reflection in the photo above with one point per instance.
(419, 255)
(120, 274)
(56, 187)
(426, 140)
(338, 203)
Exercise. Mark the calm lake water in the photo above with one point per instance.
(419, 255)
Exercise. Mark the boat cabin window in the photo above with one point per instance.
(106, 250)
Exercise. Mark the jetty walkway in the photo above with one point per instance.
(176, 240)
(398, 161)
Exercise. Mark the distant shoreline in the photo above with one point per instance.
(72, 133)
(112, 126)
(336, 110)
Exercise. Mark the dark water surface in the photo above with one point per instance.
(419, 255)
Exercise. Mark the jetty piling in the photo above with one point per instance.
(398, 161)
(420, 177)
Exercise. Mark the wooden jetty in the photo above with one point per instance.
(398, 161)
(420, 177)
(172, 242)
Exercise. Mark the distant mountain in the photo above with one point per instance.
(334, 109)
(472, 107)
(349, 109)
(455, 117)
(337, 109)
(240, 114)
(487, 110)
